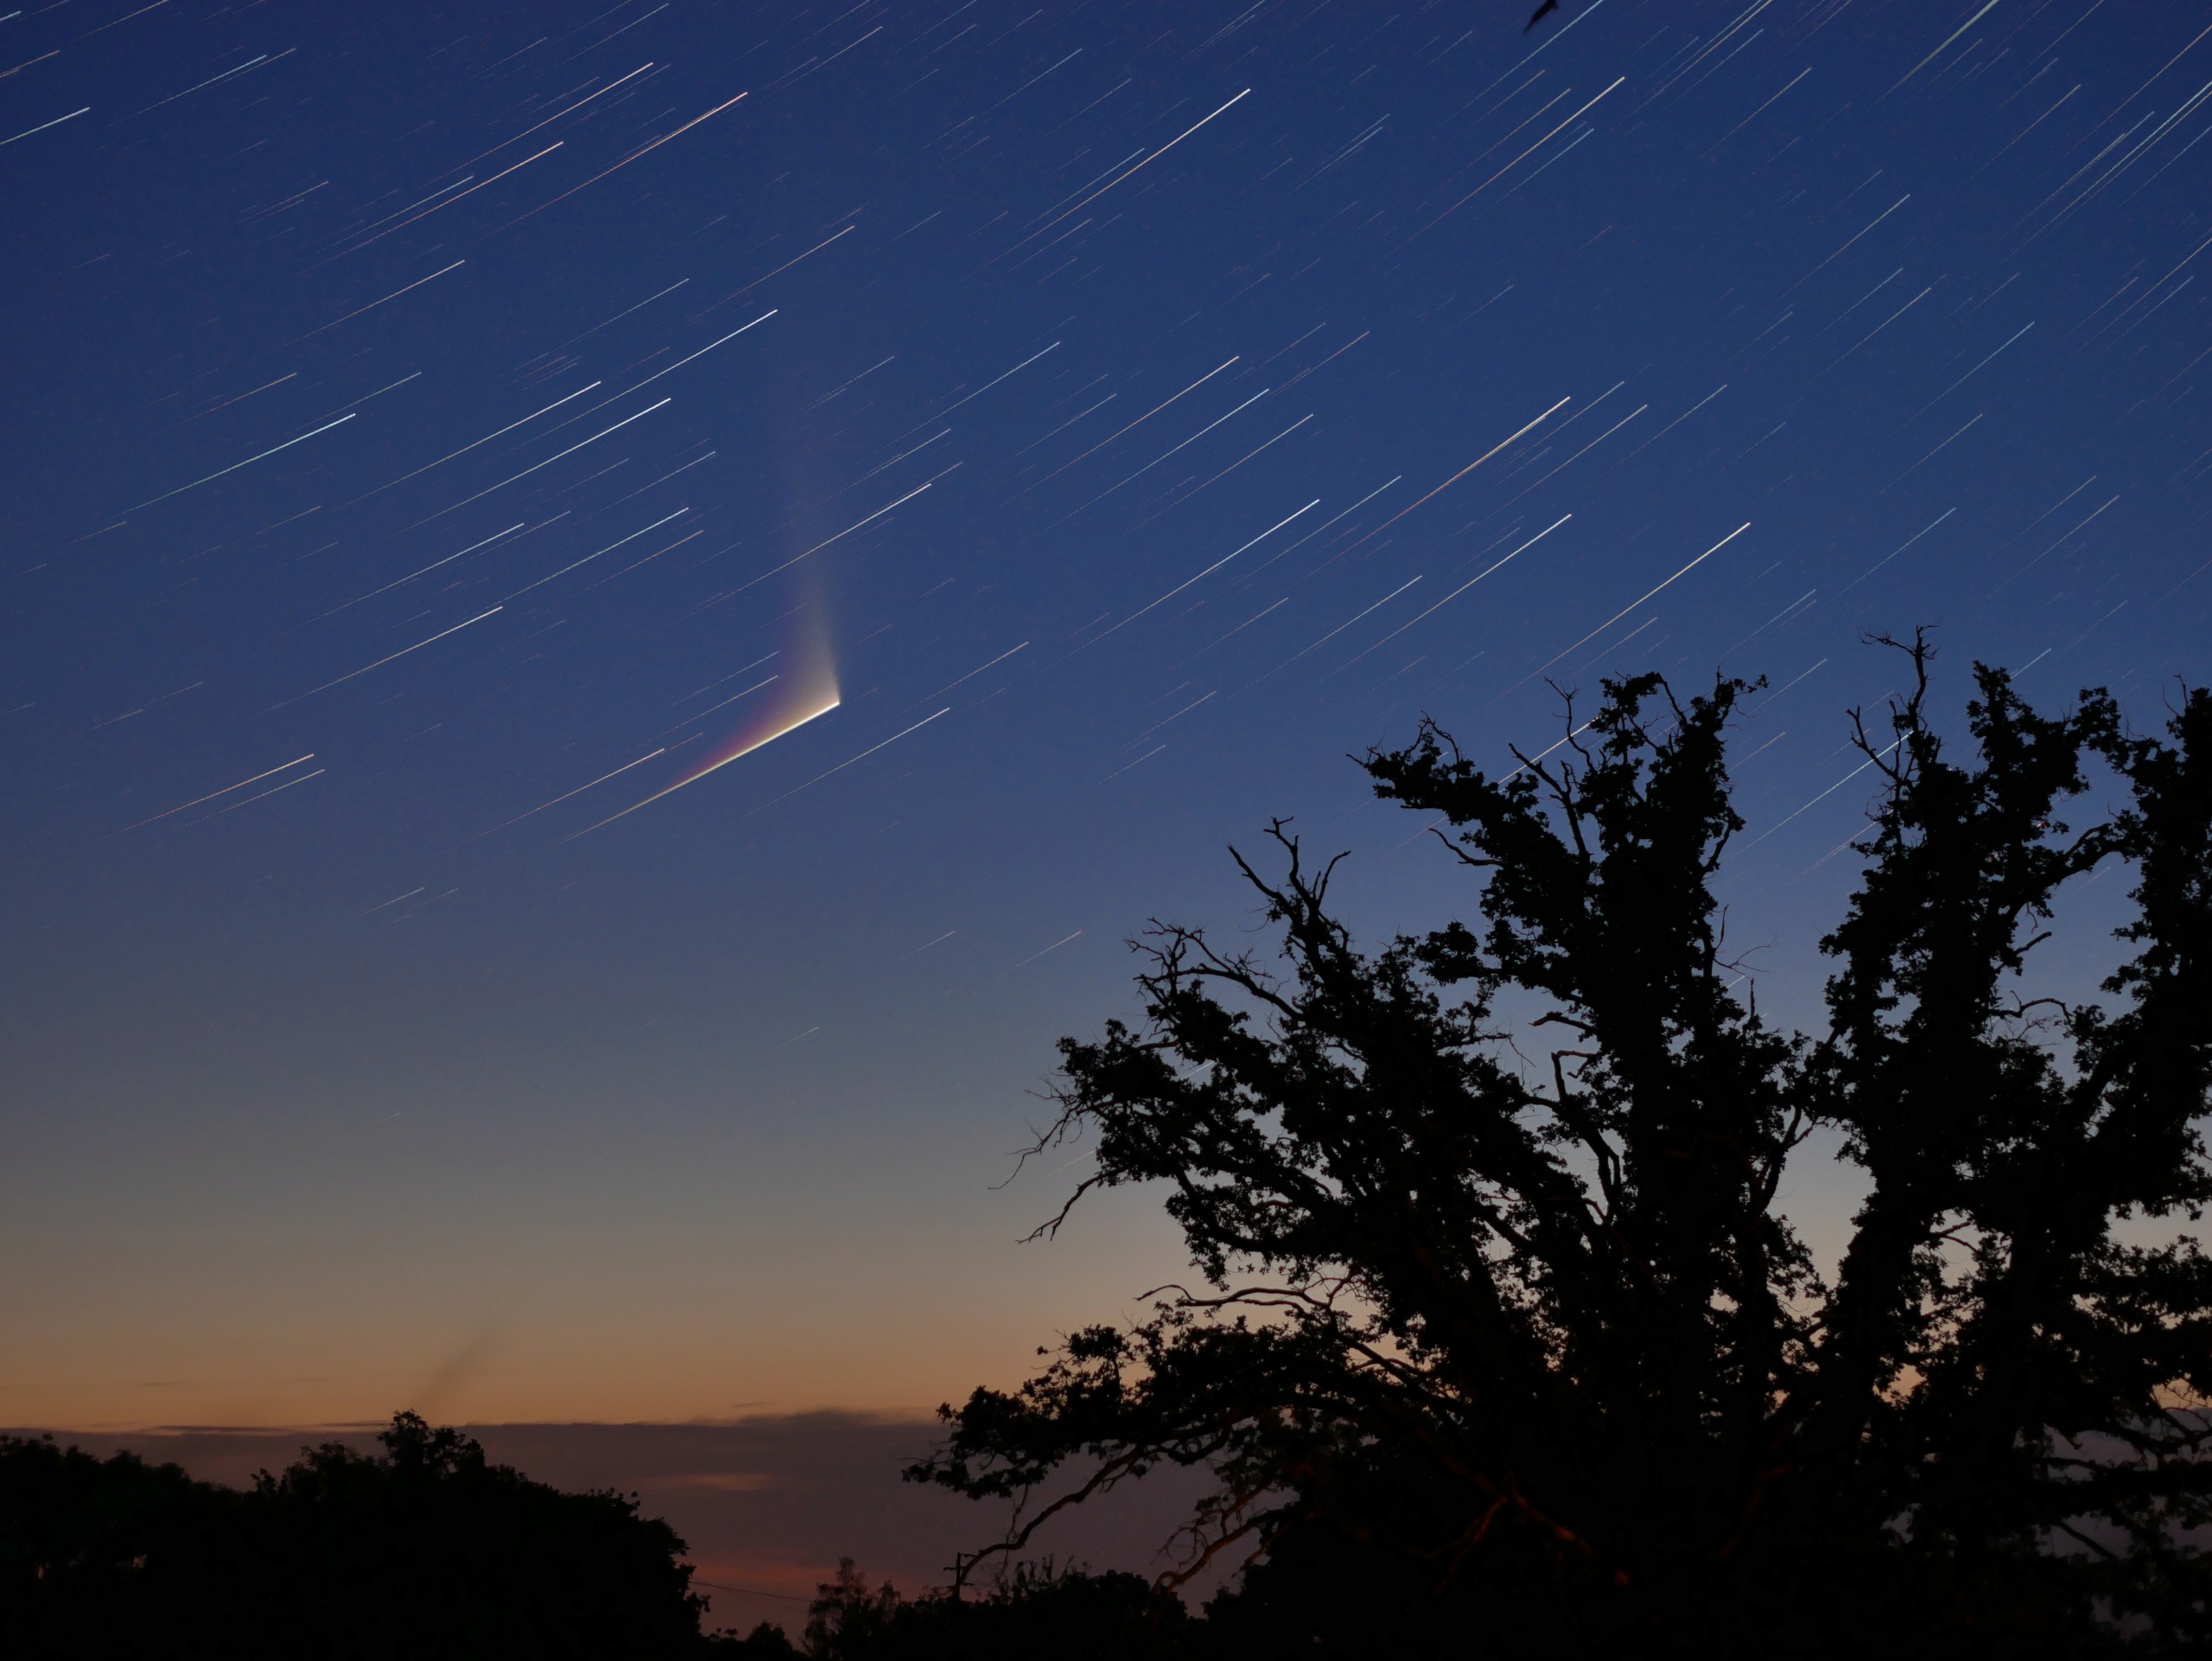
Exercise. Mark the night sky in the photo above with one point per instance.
(1028, 447)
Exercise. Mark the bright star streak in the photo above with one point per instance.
(1624, 610)
(380, 662)
(1209, 571)
(547, 463)
(557, 800)
(486, 439)
(248, 462)
(1461, 475)
(1462, 588)
(211, 794)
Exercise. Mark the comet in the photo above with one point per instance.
(810, 692)
(780, 725)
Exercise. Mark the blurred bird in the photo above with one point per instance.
(1541, 13)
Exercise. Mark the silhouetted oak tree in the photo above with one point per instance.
(1505, 1345)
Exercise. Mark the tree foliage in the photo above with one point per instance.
(1502, 1318)
(425, 1551)
(1037, 1611)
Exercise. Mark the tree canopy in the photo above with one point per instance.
(1504, 1334)
(1036, 1610)
(425, 1551)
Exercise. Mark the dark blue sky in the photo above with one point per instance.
(385, 469)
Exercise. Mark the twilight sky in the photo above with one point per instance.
(1026, 447)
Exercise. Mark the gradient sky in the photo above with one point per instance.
(1098, 435)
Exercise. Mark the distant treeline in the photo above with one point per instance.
(424, 1551)
(428, 1551)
